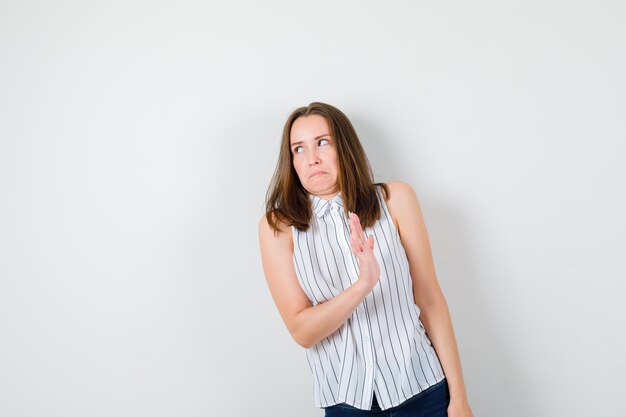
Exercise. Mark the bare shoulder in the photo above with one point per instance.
(399, 190)
(402, 202)
(268, 236)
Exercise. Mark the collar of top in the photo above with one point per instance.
(321, 206)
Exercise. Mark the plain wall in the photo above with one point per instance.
(138, 138)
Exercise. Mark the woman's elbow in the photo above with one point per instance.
(300, 332)
(301, 339)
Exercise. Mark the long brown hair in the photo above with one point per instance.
(286, 199)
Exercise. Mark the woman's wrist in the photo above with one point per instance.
(457, 392)
(363, 287)
(458, 396)
(458, 399)
(459, 407)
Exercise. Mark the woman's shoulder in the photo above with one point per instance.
(281, 231)
(399, 191)
(399, 200)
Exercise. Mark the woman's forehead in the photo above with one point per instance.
(307, 128)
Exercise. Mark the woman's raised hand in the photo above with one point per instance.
(363, 248)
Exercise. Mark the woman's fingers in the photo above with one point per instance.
(361, 241)
(354, 242)
(355, 228)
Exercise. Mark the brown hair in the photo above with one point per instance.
(286, 199)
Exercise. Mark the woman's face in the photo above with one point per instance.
(314, 155)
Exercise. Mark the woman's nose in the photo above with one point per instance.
(314, 158)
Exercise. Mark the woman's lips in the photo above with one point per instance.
(315, 174)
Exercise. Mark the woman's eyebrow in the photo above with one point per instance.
(316, 138)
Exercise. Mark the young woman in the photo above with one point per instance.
(349, 266)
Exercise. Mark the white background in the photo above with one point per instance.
(138, 138)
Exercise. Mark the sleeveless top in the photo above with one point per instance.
(382, 347)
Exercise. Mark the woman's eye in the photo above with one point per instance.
(322, 140)
(297, 149)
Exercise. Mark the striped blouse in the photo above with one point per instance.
(382, 347)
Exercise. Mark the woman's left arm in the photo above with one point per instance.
(406, 212)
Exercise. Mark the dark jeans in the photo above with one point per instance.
(432, 402)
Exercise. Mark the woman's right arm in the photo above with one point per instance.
(307, 324)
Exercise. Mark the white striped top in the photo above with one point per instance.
(382, 347)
